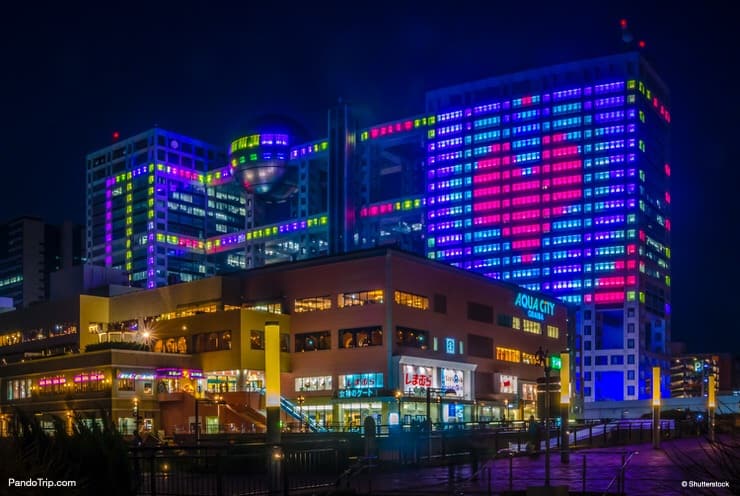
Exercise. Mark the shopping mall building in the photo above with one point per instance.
(376, 332)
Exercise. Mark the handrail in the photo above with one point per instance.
(620, 473)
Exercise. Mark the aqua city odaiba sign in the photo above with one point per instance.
(537, 308)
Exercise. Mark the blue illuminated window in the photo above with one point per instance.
(617, 360)
(631, 359)
(602, 360)
(587, 345)
(587, 376)
(630, 390)
(450, 346)
(587, 391)
(631, 374)
(587, 361)
(630, 343)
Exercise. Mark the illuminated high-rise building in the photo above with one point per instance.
(557, 180)
(554, 179)
(151, 203)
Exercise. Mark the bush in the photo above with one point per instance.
(94, 455)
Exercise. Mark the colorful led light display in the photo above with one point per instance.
(536, 171)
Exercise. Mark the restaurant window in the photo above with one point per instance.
(508, 354)
(257, 340)
(411, 300)
(265, 307)
(313, 341)
(360, 337)
(412, 338)
(480, 346)
(126, 384)
(285, 343)
(360, 298)
(312, 304)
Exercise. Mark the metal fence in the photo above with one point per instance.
(234, 470)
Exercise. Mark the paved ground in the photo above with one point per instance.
(650, 472)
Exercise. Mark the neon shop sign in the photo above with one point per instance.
(537, 308)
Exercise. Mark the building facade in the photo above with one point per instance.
(555, 179)
(151, 204)
(377, 332)
(30, 250)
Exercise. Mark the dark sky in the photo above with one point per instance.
(73, 75)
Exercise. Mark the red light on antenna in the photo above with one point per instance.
(116, 135)
(623, 23)
(641, 44)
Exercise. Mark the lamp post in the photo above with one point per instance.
(544, 361)
(218, 399)
(300, 399)
(398, 395)
(564, 405)
(136, 416)
(506, 408)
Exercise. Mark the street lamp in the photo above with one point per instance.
(543, 360)
(506, 407)
(300, 399)
(218, 398)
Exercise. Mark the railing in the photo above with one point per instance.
(298, 414)
(618, 478)
(238, 469)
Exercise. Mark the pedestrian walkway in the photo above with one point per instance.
(650, 471)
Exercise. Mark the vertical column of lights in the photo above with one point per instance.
(448, 180)
(151, 255)
(128, 190)
(610, 171)
(562, 196)
(109, 183)
(526, 189)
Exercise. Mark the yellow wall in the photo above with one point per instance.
(92, 309)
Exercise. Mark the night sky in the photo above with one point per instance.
(74, 75)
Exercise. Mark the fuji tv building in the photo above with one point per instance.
(555, 179)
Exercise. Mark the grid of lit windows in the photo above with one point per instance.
(553, 332)
(580, 151)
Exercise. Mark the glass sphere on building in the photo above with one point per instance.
(261, 160)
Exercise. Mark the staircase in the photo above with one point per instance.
(289, 408)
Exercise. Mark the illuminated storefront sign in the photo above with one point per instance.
(144, 376)
(507, 384)
(450, 346)
(355, 381)
(453, 380)
(52, 381)
(537, 308)
(418, 377)
(355, 393)
(89, 377)
(172, 373)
